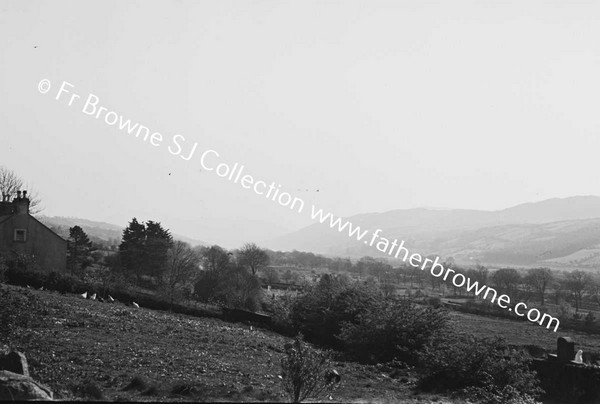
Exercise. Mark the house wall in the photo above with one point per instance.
(49, 249)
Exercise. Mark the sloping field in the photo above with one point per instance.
(174, 357)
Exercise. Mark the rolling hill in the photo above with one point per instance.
(107, 232)
(556, 232)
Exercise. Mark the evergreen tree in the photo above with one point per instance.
(79, 249)
(144, 248)
(131, 248)
(158, 242)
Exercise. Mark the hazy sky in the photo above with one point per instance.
(377, 105)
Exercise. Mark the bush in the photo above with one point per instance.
(23, 270)
(88, 389)
(281, 309)
(206, 287)
(63, 283)
(321, 312)
(393, 330)
(3, 269)
(487, 368)
(435, 302)
(356, 317)
(305, 371)
(234, 287)
(241, 289)
(590, 320)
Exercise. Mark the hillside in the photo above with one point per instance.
(85, 349)
(556, 232)
(104, 231)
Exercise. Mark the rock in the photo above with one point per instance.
(14, 362)
(16, 387)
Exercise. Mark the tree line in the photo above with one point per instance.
(149, 257)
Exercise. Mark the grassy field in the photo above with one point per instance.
(90, 350)
(522, 333)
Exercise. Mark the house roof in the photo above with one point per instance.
(5, 217)
(49, 229)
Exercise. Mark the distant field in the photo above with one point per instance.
(522, 332)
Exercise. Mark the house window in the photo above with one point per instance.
(20, 235)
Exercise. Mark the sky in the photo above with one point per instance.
(352, 106)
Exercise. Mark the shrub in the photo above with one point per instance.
(137, 383)
(393, 330)
(487, 368)
(63, 283)
(206, 287)
(88, 389)
(241, 289)
(23, 277)
(435, 302)
(3, 269)
(565, 312)
(304, 371)
(590, 320)
(281, 309)
(321, 312)
(234, 287)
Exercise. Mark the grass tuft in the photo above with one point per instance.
(137, 383)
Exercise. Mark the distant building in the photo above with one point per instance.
(21, 233)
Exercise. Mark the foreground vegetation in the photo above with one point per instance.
(86, 350)
(91, 350)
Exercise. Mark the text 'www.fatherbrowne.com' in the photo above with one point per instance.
(210, 160)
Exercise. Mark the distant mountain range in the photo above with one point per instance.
(555, 232)
(97, 230)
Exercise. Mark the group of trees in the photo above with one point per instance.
(173, 268)
(210, 274)
(230, 277)
(144, 248)
(572, 286)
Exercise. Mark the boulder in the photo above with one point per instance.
(16, 387)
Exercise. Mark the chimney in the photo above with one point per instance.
(21, 204)
(6, 208)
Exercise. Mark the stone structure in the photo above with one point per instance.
(15, 383)
(21, 233)
(14, 362)
(566, 380)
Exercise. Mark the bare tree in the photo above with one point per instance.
(214, 259)
(253, 257)
(539, 279)
(578, 282)
(10, 183)
(595, 289)
(182, 264)
(506, 279)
